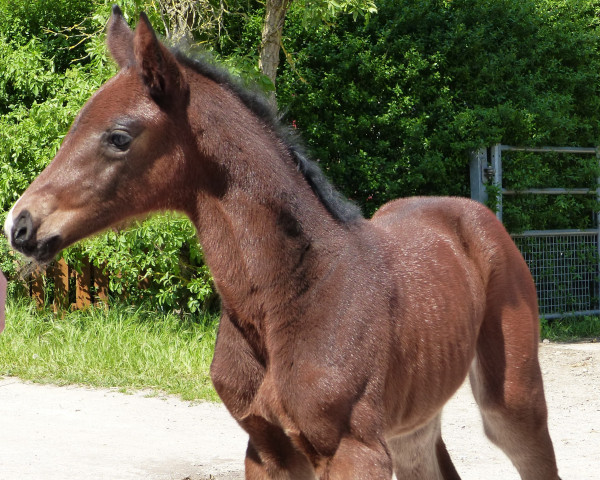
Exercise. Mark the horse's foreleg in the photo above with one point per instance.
(237, 376)
(358, 461)
(271, 454)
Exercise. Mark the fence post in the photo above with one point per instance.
(59, 271)
(477, 170)
(496, 160)
(598, 221)
(83, 294)
(37, 287)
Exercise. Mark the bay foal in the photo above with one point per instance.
(341, 338)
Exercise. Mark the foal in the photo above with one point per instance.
(341, 338)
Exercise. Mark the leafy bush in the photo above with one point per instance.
(393, 107)
(158, 261)
(21, 22)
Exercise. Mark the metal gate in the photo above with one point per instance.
(564, 263)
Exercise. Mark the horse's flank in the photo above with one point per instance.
(341, 338)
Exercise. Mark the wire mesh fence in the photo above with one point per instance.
(564, 266)
(545, 191)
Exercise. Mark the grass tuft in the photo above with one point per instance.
(571, 328)
(121, 347)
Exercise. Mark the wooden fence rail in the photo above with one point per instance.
(71, 289)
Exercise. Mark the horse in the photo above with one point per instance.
(341, 338)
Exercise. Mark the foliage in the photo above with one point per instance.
(571, 328)
(189, 19)
(392, 107)
(20, 22)
(317, 12)
(158, 261)
(39, 97)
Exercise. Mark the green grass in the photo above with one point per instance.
(118, 347)
(134, 349)
(571, 328)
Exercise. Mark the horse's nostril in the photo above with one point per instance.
(21, 233)
(22, 230)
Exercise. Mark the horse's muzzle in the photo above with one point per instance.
(22, 234)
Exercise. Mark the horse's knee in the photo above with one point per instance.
(272, 455)
(359, 461)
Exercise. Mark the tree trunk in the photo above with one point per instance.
(271, 39)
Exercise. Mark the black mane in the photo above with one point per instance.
(336, 204)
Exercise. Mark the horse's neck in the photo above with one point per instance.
(263, 257)
(266, 257)
(268, 236)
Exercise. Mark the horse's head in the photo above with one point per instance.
(123, 155)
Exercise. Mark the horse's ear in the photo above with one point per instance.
(158, 66)
(119, 38)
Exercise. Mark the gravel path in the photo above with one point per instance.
(61, 433)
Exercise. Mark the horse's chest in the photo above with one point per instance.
(276, 410)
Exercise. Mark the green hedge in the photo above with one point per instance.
(47, 77)
(393, 107)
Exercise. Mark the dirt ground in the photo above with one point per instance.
(61, 433)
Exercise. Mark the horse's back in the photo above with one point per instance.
(439, 214)
(469, 227)
(455, 230)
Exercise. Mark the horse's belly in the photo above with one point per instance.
(435, 336)
(420, 395)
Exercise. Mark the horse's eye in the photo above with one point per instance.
(120, 139)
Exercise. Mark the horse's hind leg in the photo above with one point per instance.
(507, 384)
(422, 455)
